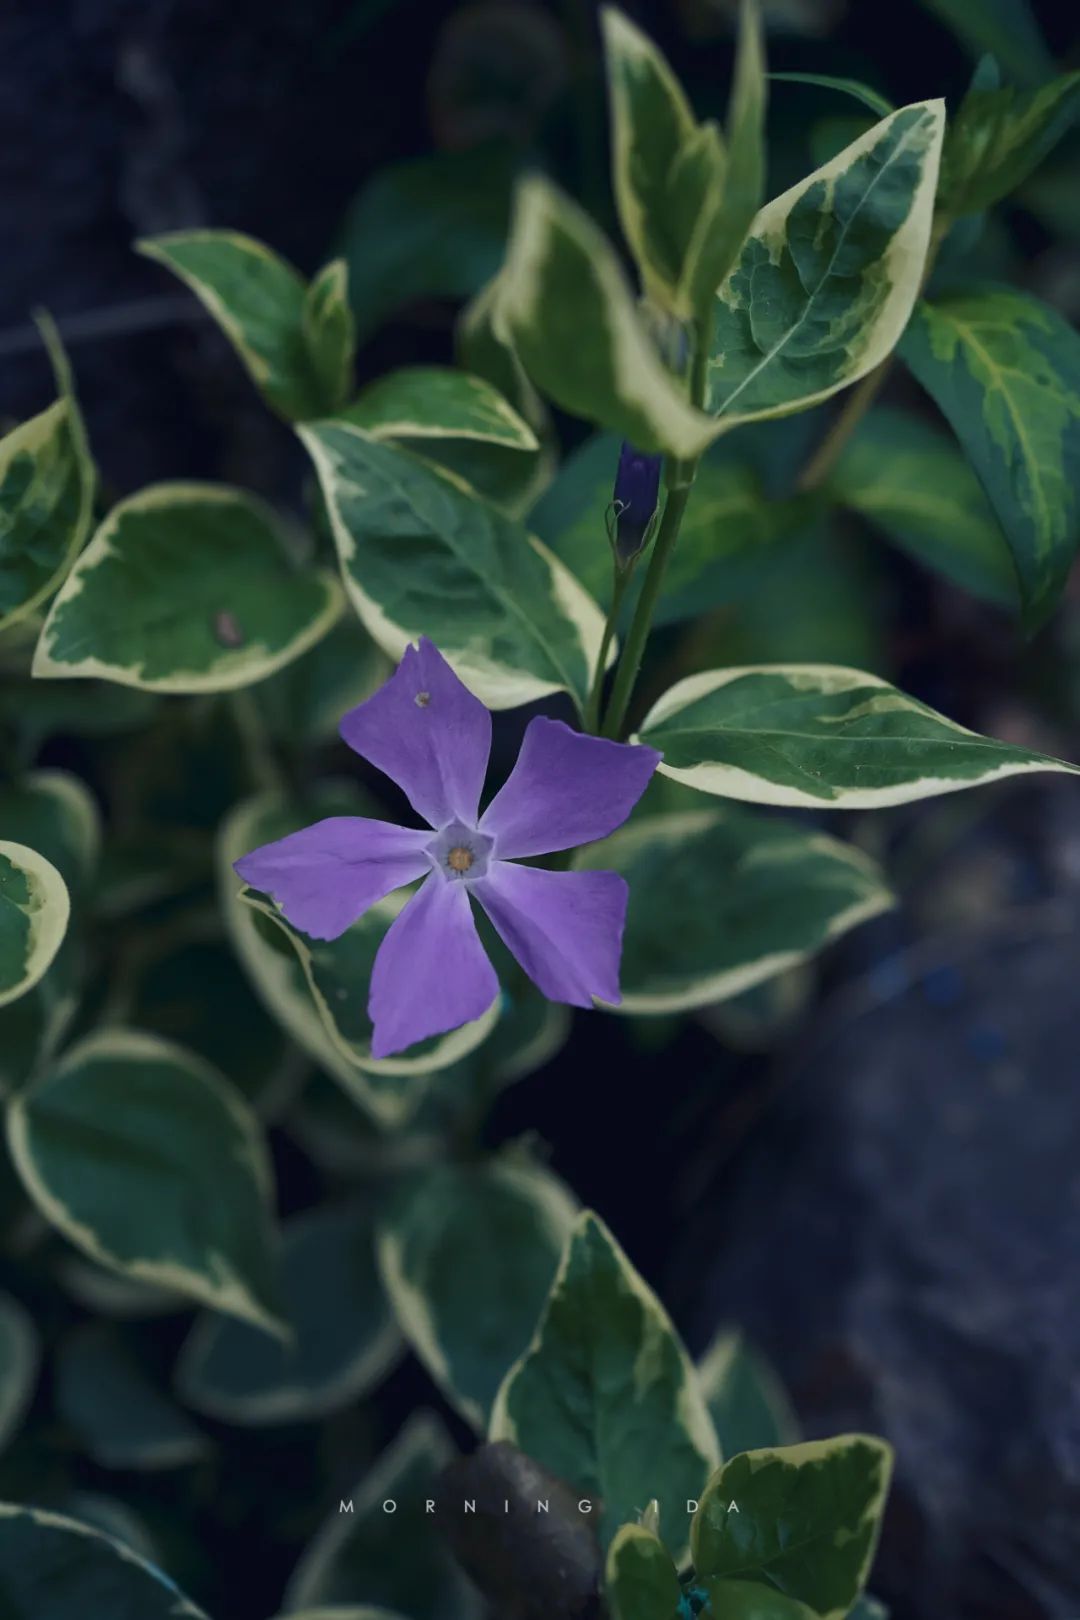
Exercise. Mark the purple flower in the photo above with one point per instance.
(634, 501)
(428, 733)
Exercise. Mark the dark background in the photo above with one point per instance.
(886, 1191)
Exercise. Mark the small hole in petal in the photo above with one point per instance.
(422, 699)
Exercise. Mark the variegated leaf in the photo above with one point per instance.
(803, 1520)
(34, 912)
(821, 736)
(421, 554)
(998, 137)
(185, 588)
(82, 1136)
(721, 900)
(606, 1396)
(435, 402)
(512, 1218)
(329, 333)
(829, 274)
(640, 1578)
(1005, 369)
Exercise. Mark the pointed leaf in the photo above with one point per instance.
(185, 588)
(829, 274)
(34, 911)
(721, 900)
(641, 1581)
(807, 1521)
(55, 1568)
(849, 87)
(345, 1338)
(421, 554)
(746, 1399)
(606, 1396)
(1005, 370)
(998, 137)
(435, 402)
(330, 333)
(817, 735)
(127, 1121)
(467, 1324)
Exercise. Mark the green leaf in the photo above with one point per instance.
(330, 333)
(317, 989)
(820, 736)
(57, 1569)
(721, 899)
(606, 1396)
(572, 318)
(807, 1523)
(432, 227)
(914, 484)
(749, 1600)
(290, 339)
(468, 1323)
(127, 1121)
(511, 479)
(34, 911)
(641, 1581)
(435, 402)
(421, 554)
(869, 1608)
(746, 1400)
(1005, 370)
(304, 702)
(185, 588)
(829, 274)
(1005, 28)
(345, 1337)
(364, 1555)
(20, 1354)
(46, 506)
(121, 1418)
(651, 124)
(998, 137)
(848, 87)
(56, 811)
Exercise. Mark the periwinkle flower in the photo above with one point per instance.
(634, 501)
(432, 737)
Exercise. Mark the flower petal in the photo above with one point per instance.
(428, 733)
(327, 875)
(565, 928)
(431, 973)
(566, 789)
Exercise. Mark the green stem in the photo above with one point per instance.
(618, 594)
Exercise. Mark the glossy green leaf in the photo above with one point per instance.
(746, 1400)
(468, 1323)
(651, 124)
(127, 1121)
(819, 736)
(848, 87)
(20, 1353)
(291, 339)
(640, 1578)
(34, 911)
(1005, 28)
(829, 274)
(1005, 370)
(54, 1568)
(345, 1339)
(120, 1416)
(606, 1396)
(722, 899)
(329, 332)
(318, 989)
(185, 588)
(46, 503)
(421, 554)
(435, 402)
(916, 486)
(574, 323)
(998, 137)
(365, 1555)
(432, 227)
(807, 1521)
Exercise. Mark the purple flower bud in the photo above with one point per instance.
(634, 502)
